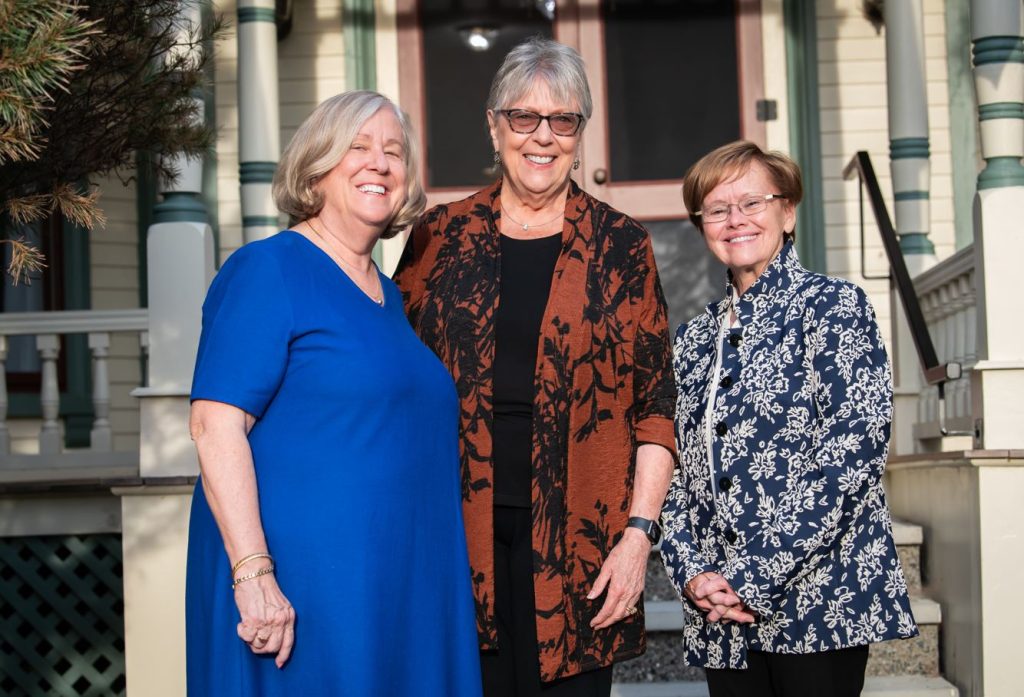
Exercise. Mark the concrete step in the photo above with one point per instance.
(895, 686)
(908, 538)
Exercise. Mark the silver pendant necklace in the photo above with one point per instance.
(527, 226)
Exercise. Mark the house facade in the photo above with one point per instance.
(96, 466)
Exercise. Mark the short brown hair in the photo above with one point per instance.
(733, 160)
(320, 143)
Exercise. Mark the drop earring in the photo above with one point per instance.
(497, 158)
(576, 163)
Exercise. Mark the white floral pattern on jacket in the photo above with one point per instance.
(793, 513)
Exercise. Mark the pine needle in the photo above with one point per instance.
(25, 261)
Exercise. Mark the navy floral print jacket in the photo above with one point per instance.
(792, 511)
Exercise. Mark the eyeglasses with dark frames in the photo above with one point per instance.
(563, 124)
(753, 204)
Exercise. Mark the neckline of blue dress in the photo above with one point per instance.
(348, 279)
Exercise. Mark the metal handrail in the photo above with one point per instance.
(935, 373)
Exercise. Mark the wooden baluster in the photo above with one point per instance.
(100, 438)
(5, 436)
(48, 346)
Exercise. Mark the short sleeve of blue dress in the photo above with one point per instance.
(247, 324)
(355, 455)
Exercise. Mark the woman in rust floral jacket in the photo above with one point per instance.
(545, 305)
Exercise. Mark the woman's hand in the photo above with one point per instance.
(623, 574)
(710, 592)
(268, 619)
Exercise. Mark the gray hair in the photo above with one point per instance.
(558, 66)
(320, 143)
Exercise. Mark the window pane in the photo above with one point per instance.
(690, 276)
(457, 78)
(673, 85)
(22, 356)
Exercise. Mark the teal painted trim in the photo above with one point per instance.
(916, 243)
(256, 14)
(999, 49)
(180, 207)
(1001, 110)
(909, 148)
(911, 196)
(256, 172)
(259, 221)
(963, 120)
(1000, 172)
(76, 401)
(359, 21)
(800, 25)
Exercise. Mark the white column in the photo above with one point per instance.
(909, 152)
(908, 129)
(259, 145)
(180, 266)
(997, 30)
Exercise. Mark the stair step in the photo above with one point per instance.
(904, 533)
(888, 686)
(667, 615)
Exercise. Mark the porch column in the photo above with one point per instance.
(180, 256)
(997, 27)
(908, 130)
(911, 171)
(997, 33)
(258, 116)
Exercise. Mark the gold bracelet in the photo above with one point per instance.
(245, 560)
(255, 574)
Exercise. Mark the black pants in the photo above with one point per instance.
(514, 669)
(837, 673)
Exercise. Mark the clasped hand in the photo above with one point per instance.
(710, 592)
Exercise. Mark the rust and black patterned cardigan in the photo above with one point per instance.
(603, 385)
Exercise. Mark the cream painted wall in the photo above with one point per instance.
(851, 80)
(311, 68)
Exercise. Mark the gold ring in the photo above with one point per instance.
(630, 611)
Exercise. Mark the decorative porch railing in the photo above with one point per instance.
(948, 302)
(47, 328)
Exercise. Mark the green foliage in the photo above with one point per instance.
(83, 87)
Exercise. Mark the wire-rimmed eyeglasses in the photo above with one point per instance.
(718, 211)
(566, 123)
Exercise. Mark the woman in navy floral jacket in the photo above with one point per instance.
(777, 533)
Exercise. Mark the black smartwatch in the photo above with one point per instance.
(650, 528)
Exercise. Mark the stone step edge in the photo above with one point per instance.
(667, 615)
(882, 686)
(904, 533)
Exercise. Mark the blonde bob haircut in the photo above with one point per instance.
(732, 161)
(320, 143)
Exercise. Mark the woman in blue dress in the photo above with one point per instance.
(327, 553)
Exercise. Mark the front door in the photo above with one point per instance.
(671, 80)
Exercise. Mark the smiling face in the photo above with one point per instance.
(368, 186)
(747, 244)
(536, 165)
